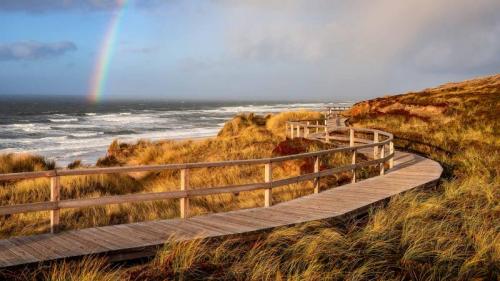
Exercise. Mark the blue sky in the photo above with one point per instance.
(249, 50)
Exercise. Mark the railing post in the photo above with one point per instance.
(306, 130)
(184, 202)
(375, 148)
(327, 135)
(55, 190)
(286, 129)
(317, 126)
(351, 137)
(382, 165)
(391, 151)
(354, 168)
(353, 161)
(316, 170)
(291, 131)
(268, 174)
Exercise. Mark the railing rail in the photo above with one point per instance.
(309, 128)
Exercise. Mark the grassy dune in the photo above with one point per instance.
(447, 233)
(244, 137)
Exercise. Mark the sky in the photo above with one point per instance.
(324, 50)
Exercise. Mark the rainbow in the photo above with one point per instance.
(101, 69)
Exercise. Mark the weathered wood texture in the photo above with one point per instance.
(184, 194)
(410, 171)
(120, 242)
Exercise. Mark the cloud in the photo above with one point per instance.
(32, 50)
(469, 49)
(48, 5)
(426, 35)
(37, 6)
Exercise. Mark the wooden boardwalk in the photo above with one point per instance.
(120, 242)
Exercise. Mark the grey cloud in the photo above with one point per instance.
(469, 47)
(31, 50)
(426, 34)
(37, 6)
(472, 53)
(48, 5)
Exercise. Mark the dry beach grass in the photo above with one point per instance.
(244, 137)
(447, 233)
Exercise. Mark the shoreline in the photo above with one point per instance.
(60, 134)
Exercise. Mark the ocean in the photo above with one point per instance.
(68, 130)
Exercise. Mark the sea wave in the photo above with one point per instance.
(64, 120)
(86, 135)
(28, 127)
(67, 136)
(126, 119)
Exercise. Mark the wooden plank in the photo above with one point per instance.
(124, 232)
(62, 247)
(223, 224)
(148, 232)
(256, 214)
(264, 221)
(84, 246)
(253, 224)
(13, 254)
(221, 230)
(93, 245)
(178, 227)
(352, 198)
(104, 239)
(34, 249)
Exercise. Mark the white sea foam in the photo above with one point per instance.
(64, 120)
(54, 139)
(126, 119)
(73, 126)
(67, 137)
(28, 128)
(85, 135)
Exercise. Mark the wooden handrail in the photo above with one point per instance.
(55, 204)
(140, 197)
(152, 168)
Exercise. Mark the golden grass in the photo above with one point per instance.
(447, 233)
(23, 162)
(244, 137)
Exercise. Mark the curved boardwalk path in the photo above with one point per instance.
(127, 241)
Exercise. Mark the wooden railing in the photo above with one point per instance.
(338, 108)
(334, 110)
(378, 140)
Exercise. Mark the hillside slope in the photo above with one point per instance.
(450, 232)
(447, 233)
